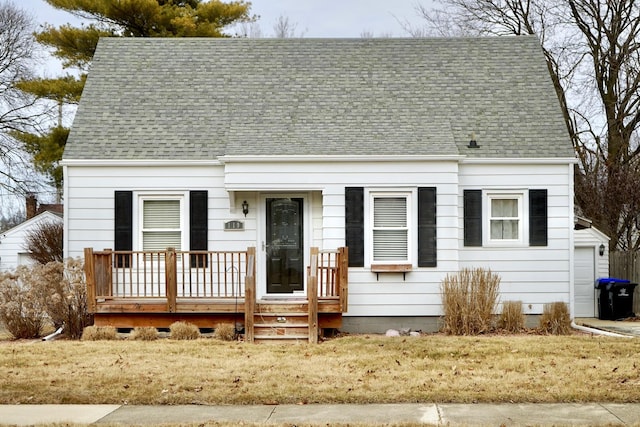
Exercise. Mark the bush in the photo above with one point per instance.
(469, 300)
(44, 242)
(555, 319)
(65, 294)
(512, 317)
(183, 331)
(22, 309)
(99, 333)
(225, 332)
(146, 333)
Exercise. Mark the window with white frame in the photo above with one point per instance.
(390, 236)
(161, 223)
(505, 219)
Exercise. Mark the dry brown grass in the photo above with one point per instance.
(183, 331)
(352, 369)
(469, 301)
(555, 319)
(512, 317)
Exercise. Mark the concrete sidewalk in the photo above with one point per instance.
(589, 414)
(623, 327)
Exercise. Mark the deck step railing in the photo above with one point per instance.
(326, 280)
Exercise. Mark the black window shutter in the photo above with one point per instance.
(198, 229)
(472, 217)
(123, 227)
(538, 218)
(427, 242)
(354, 222)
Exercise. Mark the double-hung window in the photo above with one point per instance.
(390, 236)
(505, 219)
(161, 220)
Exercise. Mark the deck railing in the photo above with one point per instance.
(166, 275)
(173, 275)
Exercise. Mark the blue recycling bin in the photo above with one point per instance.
(616, 298)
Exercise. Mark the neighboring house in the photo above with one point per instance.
(13, 251)
(421, 156)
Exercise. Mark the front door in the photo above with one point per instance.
(284, 245)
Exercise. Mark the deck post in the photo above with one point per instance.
(250, 294)
(90, 279)
(343, 277)
(103, 273)
(312, 296)
(171, 278)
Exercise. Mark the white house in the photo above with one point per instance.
(13, 251)
(422, 156)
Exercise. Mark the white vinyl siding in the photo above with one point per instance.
(390, 230)
(161, 224)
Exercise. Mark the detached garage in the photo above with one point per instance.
(591, 261)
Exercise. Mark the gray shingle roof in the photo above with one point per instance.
(196, 99)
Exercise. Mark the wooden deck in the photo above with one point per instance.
(128, 289)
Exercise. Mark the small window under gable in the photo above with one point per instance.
(505, 219)
(390, 233)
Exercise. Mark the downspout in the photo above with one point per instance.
(53, 335)
(598, 331)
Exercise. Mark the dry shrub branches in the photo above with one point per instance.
(21, 307)
(469, 300)
(54, 292)
(555, 319)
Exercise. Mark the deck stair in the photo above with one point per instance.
(281, 321)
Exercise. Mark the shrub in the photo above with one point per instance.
(555, 319)
(146, 333)
(44, 242)
(225, 332)
(22, 309)
(469, 300)
(512, 317)
(63, 288)
(183, 331)
(99, 333)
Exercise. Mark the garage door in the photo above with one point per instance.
(584, 274)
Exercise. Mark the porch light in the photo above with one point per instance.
(245, 208)
(601, 249)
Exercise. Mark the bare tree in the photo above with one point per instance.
(44, 242)
(18, 111)
(285, 29)
(248, 30)
(592, 50)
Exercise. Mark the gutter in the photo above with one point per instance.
(598, 331)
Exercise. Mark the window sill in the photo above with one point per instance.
(391, 268)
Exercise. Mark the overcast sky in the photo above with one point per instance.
(314, 18)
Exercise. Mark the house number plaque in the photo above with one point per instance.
(233, 225)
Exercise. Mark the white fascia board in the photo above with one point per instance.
(120, 162)
(520, 161)
(319, 159)
(43, 216)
